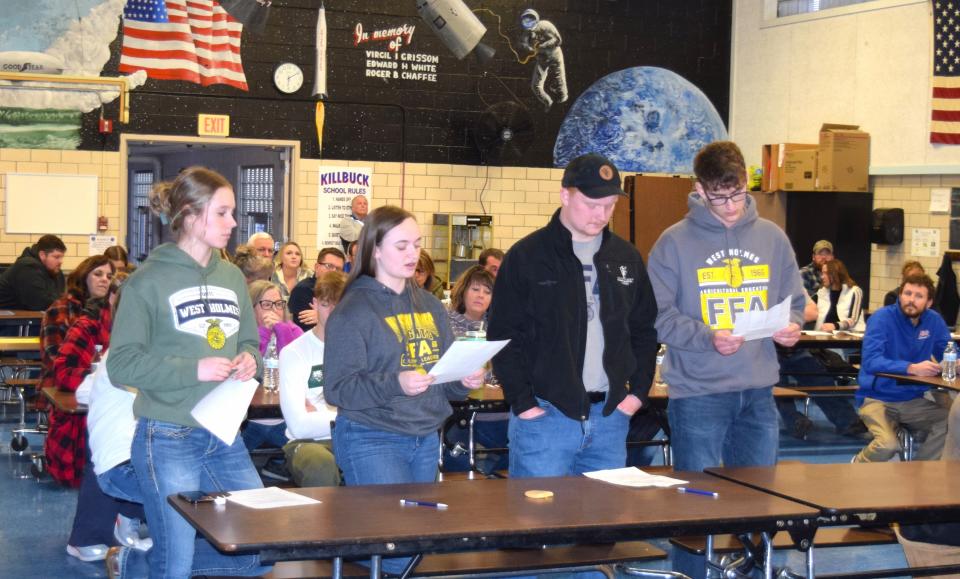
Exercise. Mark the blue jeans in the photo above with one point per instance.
(370, 456)
(555, 445)
(121, 482)
(255, 435)
(170, 458)
(486, 434)
(724, 429)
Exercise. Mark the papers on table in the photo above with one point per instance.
(269, 498)
(758, 324)
(816, 333)
(464, 358)
(222, 410)
(632, 476)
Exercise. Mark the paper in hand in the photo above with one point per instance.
(757, 324)
(222, 410)
(464, 358)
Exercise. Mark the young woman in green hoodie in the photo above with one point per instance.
(185, 325)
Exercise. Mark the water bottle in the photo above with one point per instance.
(97, 354)
(658, 373)
(271, 367)
(949, 363)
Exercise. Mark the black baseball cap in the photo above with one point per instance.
(594, 175)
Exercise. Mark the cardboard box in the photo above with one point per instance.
(843, 162)
(774, 158)
(799, 170)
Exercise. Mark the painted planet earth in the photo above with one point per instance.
(645, 119)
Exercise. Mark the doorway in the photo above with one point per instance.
(260, 171)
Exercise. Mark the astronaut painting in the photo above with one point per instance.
(549, 80)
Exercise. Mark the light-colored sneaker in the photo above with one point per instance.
(88, 553)
(127, 533)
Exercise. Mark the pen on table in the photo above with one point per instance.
(690, 491)
(410, 503)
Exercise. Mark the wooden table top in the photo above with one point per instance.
(64, 401)
(878, 492)
(20, 315)
(20, 344)
(934, 381)
(486, 514)
(837, 340)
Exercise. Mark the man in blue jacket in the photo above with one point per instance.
(902, 338)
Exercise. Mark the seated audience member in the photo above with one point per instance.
(91, 279)
(426, 277)
(490, 260)
(811, 273)
(34, 281)
(351, 255)
(253, 265)
(805, 368)
(469, 302)
(263, 244)
(909, 268)
(272, 322)
(301, 298)
(309, 456)
(902, 339)
(290, 270)
(118, 257)
(97, 514)
(840, 300)
(351, 225)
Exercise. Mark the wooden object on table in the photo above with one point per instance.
(64, 401)
(932, 381)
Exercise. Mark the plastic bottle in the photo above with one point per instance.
(271, 367)
(97, 354)
(949, 364)
(658, 373)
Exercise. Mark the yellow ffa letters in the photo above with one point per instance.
(420, 337)
(732, 285)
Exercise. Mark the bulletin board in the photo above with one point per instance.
(50, 203)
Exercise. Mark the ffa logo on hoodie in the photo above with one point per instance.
(734, 281)
(210, 312)
(420, 338)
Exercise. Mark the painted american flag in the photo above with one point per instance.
(945, 119)
(191, 40)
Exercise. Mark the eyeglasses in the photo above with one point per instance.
(328, 266)
(277, 305)
(734, 197)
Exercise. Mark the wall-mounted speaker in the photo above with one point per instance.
(887, 226)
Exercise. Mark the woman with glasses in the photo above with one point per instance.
(272, 321)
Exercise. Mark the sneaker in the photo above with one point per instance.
(113, 562)
(801, 427)
(127, 533)
(88, 553)
(276, 471)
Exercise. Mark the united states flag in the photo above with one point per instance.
(191, 40)
(945, 125)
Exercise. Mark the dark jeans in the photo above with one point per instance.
(97, 512)
(488, 434)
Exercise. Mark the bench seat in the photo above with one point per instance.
(825, 537)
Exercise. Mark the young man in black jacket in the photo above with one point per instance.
(35, 280)
(575, 302)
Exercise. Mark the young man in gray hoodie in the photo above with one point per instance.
(719, 260)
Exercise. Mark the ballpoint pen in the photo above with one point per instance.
(690, 491)
(412, 503)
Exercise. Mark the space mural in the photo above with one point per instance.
(507, 83)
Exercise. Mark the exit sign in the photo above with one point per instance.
(213, 125)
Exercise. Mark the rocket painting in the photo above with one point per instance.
(320, 77)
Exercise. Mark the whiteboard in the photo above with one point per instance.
(50, 203)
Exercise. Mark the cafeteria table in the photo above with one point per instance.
(829, 340)
(877, 493)
(932, 381)
(369, 522)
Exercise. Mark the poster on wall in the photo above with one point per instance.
(926, 242)
(338, 187)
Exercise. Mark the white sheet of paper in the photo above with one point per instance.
(755, 325)
(464, 358)
(222, 410)
(269, 498)
(632, 476)
(816, 333)
(940, 200)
